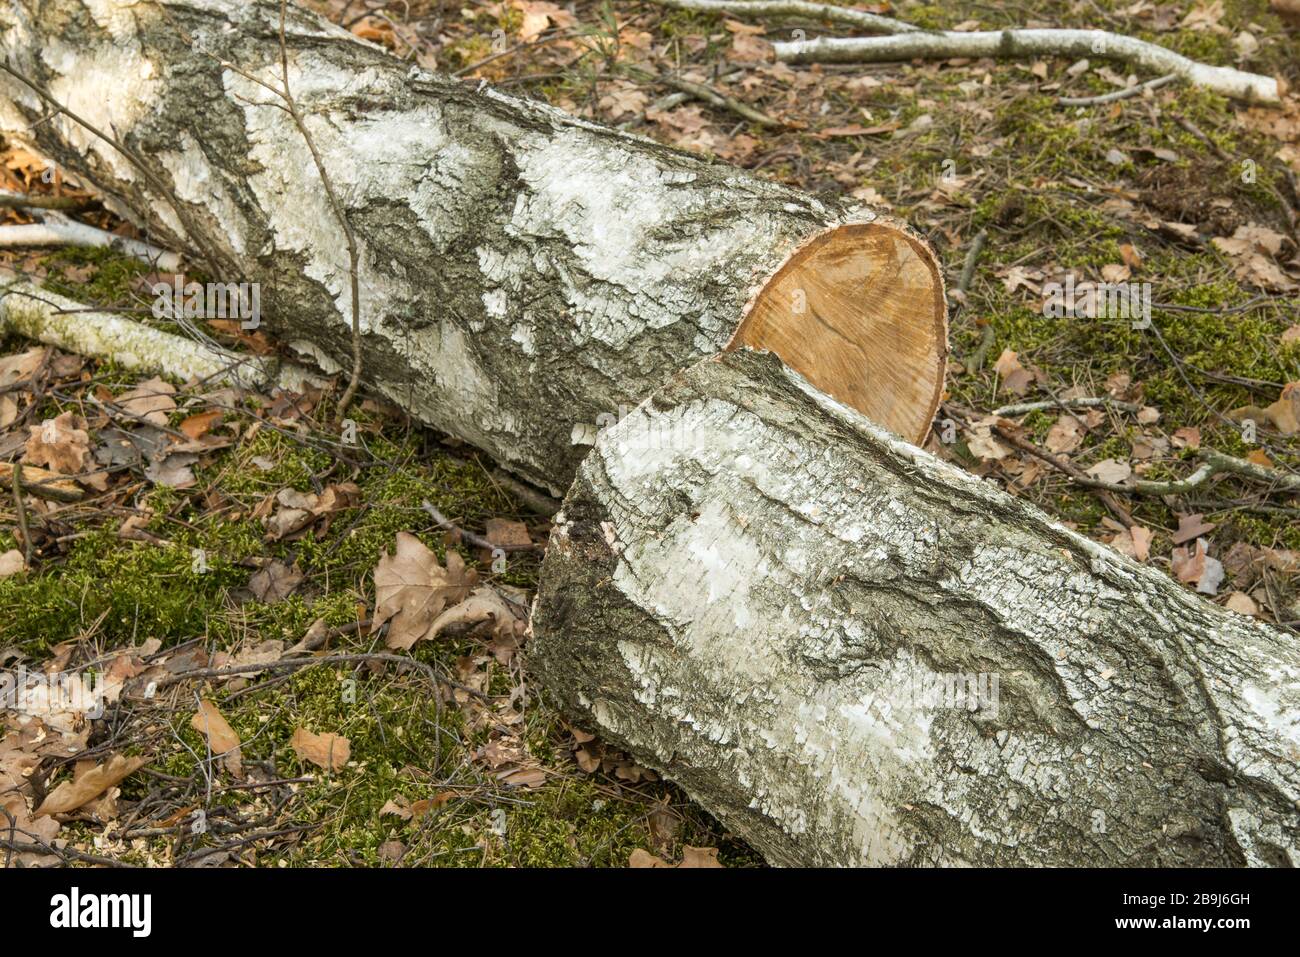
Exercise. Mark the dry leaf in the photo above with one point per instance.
(538, 16)
(1016, 379)
(1141, 542)
(222, 739)
(17, 367)
(643, 858)
(691, 857)
(85, 787)
(329, 751)
(1285, 412)
(1065, 435)
(61, 444)
(1134, 541)
(200, 424)
(1241, 603)
(483, 604)
(1111, 470)
(1195, 567)
(982, 443)
(523, 777)
(412, 589)
(149, 401)
(699, 857)
(1192, 526)
(501, 531)
(275, 582)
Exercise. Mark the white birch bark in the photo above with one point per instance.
(1224, 80)
(524, 274)
(757, 592)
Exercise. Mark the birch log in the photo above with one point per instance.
(524, 275)
(854, 653)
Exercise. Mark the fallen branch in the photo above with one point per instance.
(69, 233)
(56, 321)
(42, 483)
(706, 93)
(535, 501)
(1227, 81)
(1212, 463)
(11, 200)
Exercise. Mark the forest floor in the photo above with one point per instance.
(268, 532)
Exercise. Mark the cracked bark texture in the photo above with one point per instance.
(524, 274)
(751, 588)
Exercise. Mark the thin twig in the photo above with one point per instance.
(295, 663)
(1024, 408)
(709, 95)
(330, 194)
(21, 508)
(471, 538)
(794, 8)
(10, 200)
(1117, 95)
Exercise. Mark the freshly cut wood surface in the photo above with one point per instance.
(859, 312)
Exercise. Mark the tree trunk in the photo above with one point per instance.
(854, 653)
(524, 275)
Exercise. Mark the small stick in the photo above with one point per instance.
(1024, 408)
(1117, 95)
(292, 664)
(709, 95)
(21, 508)
(79, 234)
(529, 497)
(36, 201)
(471, 538)
(968, 267)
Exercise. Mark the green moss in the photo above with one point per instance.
(110, 280)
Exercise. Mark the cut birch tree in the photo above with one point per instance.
(524, 276)
(854, 653)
